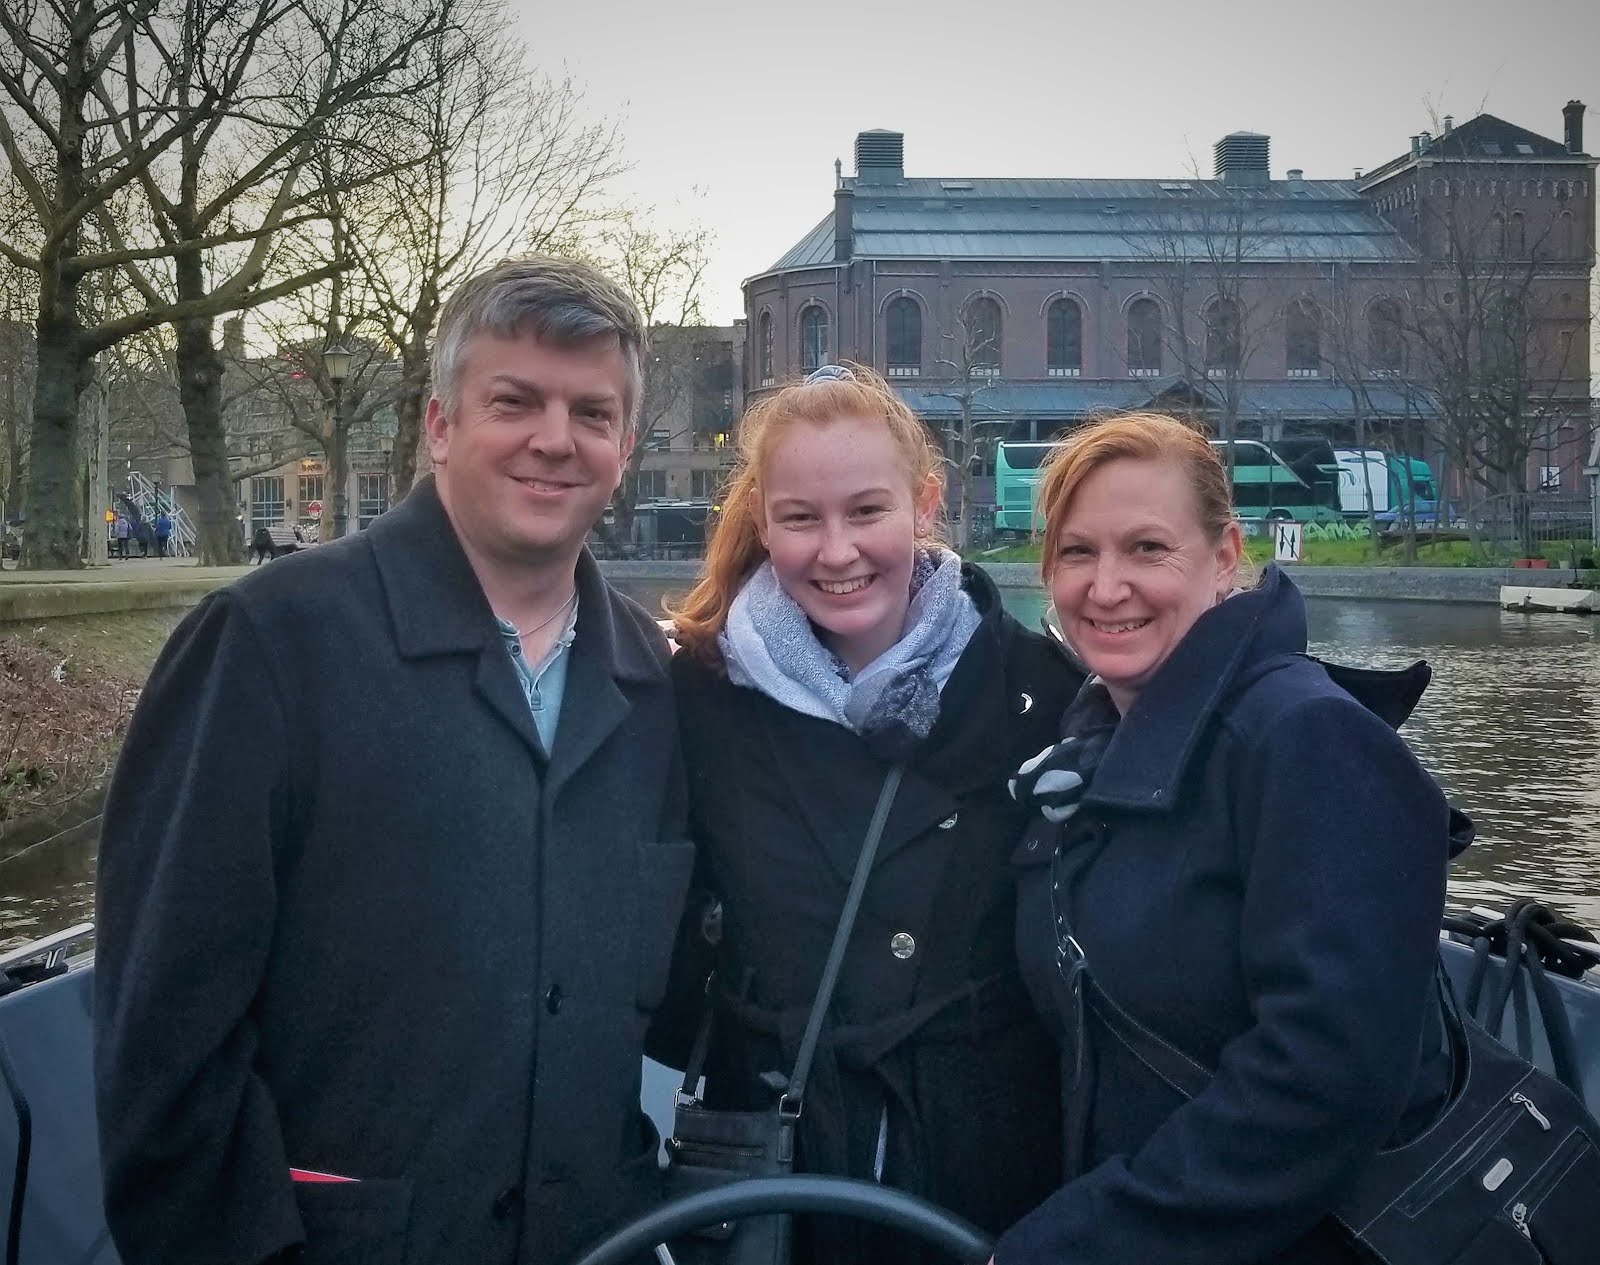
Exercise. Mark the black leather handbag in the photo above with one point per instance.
(1507, 1174)
(711, 1147)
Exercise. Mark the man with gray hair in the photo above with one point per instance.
(393, 859)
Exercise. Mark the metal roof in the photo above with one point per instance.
(1076, 398)
(1104, 219)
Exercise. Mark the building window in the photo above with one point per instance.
(1518, 240)
(1497, 235)
(703, 484)
(1222, 335)
(310, 494)
(813, 338)
(1385, 347)
(652, 485)
(765, 341)
(1502, 340)
(659, 439)
(983, 336)
(1567, 236)
(1064, 339)
(266, 502)
(372, 499)
(1303, 339)
(903, 322)
(1144, 338)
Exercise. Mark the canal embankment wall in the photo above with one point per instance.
(26, 596)
(1408, 584)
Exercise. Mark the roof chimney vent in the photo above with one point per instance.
(1572, 112)
(1241, 158)
(1449, 125)
(880, 157)
(1297, 180)
(1416, 145)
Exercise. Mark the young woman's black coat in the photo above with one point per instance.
(944, 1038)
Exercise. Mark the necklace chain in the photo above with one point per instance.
(549, 619)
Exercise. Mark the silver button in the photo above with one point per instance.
(902, 945)
(949, 823)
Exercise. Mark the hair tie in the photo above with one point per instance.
(829, 373)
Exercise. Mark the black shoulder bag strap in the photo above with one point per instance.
(794, 1090)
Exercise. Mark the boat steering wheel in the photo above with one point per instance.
(762, 1196)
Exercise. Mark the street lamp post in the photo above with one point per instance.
(336, 361)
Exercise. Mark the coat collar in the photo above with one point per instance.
(438, 607)
(1143, 767)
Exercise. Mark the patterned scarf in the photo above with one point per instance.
(769, 645)
(1054, 781)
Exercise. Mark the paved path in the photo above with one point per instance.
(137, 570)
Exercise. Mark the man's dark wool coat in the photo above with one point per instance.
(939, 1033)
(1256, 873)
(353, 920)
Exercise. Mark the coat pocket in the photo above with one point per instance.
(665, 869)
(1558, 1210)
(355, 1223)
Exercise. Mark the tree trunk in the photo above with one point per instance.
(94, 426)
(408, 432)
(52, 536)
(219, 542)
(415, 371)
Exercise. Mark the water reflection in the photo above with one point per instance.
(1511, 727)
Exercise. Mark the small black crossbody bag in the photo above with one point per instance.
(711, 1147)
(1507, 1174)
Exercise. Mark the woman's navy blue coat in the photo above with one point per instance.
(1257, 873)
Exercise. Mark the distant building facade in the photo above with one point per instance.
(1271, 306)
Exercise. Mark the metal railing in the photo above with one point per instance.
(144, 496)
(1556, 526)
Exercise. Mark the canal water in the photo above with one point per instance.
(1510, 726)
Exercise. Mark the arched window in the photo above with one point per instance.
(983, 335)
(1497, 235)
(1222, 335)
(765, 343)
(813, 338)
(1303, 339)
(1567, 236)
(1064, 339)
(1518, 239)
(1144, 338)
(904, 328)
(1385, 347)
(1504, 335)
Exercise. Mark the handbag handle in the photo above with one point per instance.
(790, 1102)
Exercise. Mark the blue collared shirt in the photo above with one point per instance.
(543, 683)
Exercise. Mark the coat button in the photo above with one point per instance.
(506, 1202)
(949, 823)
(902, 945)
(553, 999)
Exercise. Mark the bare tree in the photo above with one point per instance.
(973, 362)
(663, 270)
(1212, 252)
(501, 158)
(1490, 344)
(108, 99)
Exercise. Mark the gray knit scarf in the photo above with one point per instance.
(769, 645)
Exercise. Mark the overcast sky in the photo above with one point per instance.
(735, 112)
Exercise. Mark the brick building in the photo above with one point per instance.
(1267, 306)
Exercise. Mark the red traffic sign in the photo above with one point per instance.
(313, 507)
